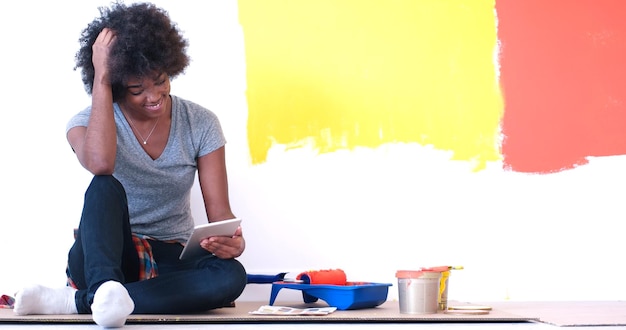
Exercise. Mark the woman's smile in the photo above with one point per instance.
(155, 107)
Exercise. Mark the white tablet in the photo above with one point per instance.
(200, 232)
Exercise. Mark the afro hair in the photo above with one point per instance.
(147, 43)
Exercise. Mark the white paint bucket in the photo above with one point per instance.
(418, 291)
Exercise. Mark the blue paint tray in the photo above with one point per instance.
(352, 295)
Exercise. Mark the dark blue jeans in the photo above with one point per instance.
(104, 251)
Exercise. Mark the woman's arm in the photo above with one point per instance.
(95, 145)
(214, 186)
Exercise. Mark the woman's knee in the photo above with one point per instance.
(234, 274)
(106, 185)
(105, 198)
(238, 279)
(240, 273)
(105, 182)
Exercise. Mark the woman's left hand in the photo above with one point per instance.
(225, 247)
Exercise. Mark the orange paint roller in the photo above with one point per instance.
(324, 276)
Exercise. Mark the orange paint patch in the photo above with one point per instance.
(564, 78)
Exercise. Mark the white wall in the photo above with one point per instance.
(369, 212)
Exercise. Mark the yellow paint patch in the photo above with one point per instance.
(338, 74)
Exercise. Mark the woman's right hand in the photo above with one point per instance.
(101, 49)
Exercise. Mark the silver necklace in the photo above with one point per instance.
(132, 125)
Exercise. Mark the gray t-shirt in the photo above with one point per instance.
(159, 190)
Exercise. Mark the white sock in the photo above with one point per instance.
(37, 299)
(111, 305)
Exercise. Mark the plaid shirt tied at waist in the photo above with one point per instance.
(147, 266)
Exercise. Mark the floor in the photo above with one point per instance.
(318, 326)
(325, 326)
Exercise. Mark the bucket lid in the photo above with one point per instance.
(429, 272)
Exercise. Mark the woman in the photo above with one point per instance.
(144, 147)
